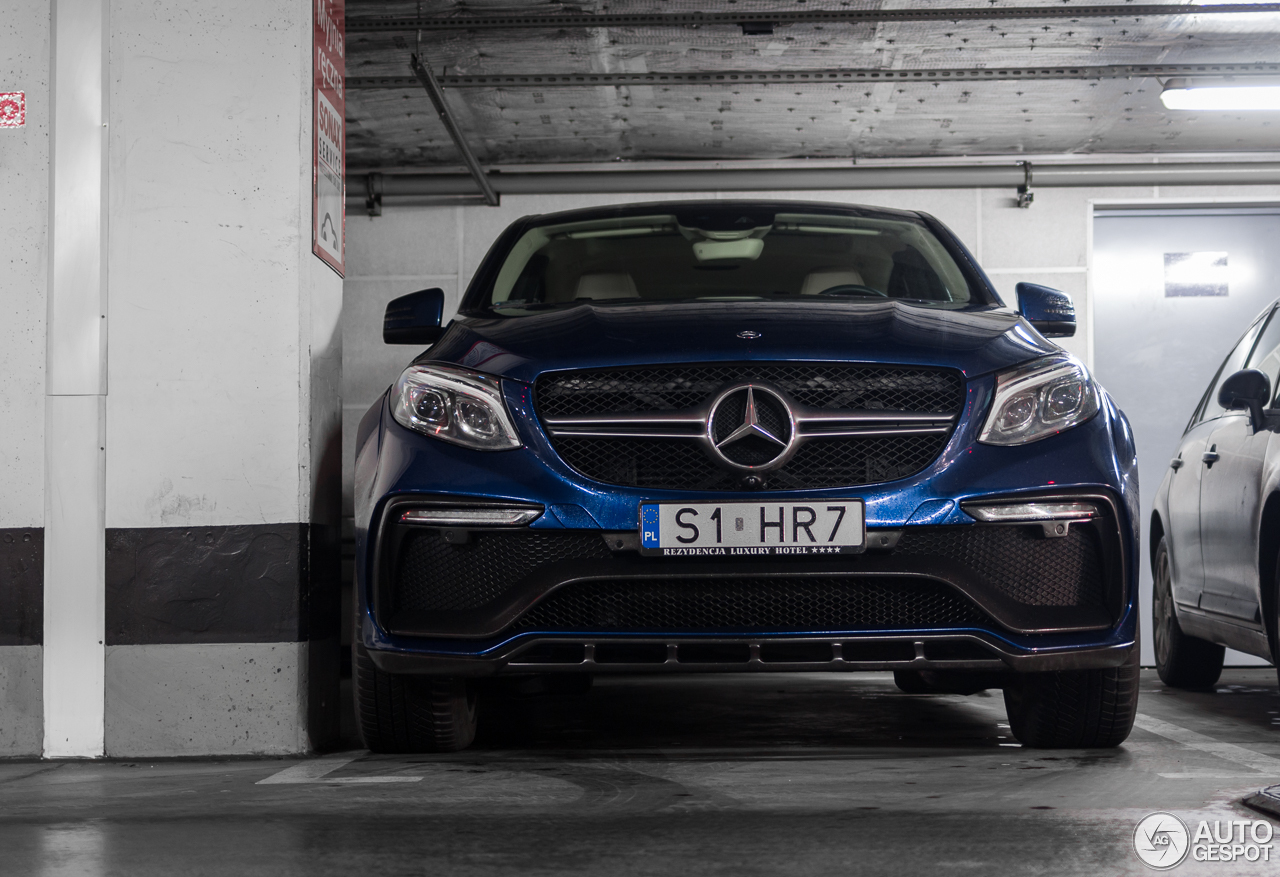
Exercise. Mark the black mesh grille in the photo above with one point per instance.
(431, 574)
(775, 603)
(820, 385)
(832, 462)
(1019, 561)
(681, 464)
(434, 575)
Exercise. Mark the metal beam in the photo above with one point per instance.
(832, 76)
(1126, 12)
(428, 81)
(419, 187)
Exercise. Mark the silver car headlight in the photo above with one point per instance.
(1038, 400)
(454, 404)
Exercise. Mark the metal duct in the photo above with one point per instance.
(424, 188)
(506, 19)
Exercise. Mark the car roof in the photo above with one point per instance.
(645, 208)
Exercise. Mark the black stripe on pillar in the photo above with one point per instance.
(22, 586)
(253, 583)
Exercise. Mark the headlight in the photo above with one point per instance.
(1039, 400)
(454, 404)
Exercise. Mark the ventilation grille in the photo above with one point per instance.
(1019, 562)
(434, 575)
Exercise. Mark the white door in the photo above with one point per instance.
(1173, 290)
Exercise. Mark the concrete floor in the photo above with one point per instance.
(742, 775)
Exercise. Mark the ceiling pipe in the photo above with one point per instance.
(426, 187)
(832, 76)
(441, 103)
(761, 21)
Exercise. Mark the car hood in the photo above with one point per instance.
(974, 341)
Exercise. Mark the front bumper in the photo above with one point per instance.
(972, 597)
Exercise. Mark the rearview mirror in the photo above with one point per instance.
(1049, 310)
(414, 318)
(1247, 388)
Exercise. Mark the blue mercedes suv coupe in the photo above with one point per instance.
(743, 436)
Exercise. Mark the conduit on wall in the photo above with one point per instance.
(461, 188)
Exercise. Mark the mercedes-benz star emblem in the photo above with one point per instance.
(751, 428)
(749, 334)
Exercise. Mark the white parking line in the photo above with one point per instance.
(1194, 740)
(318, 770)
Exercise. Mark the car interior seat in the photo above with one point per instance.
(605, 286)
(825, 278)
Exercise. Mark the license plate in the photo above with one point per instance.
(745, 529)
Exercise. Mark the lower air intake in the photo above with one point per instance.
(752, 604)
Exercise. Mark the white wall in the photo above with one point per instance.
(24, 217)
(216, 306)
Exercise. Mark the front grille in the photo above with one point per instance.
(682, 464)
(833, 462)
(434, 575)
(818, 385)
(1020, 562)
(746, 604)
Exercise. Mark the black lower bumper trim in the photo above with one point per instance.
(655, 654)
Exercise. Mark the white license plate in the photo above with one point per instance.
(745, 529)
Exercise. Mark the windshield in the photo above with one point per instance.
(726, 256)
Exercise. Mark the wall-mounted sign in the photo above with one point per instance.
(13, 109)
(329, 158)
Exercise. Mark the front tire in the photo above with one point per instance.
(1182, 661)
(411, 713)
(1074, 709)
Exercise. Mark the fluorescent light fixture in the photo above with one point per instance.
(472, 517)
(1223, 94)
(1187, 274)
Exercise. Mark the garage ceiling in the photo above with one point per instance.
(392, 124)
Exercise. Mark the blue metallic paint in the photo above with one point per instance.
(977, 341)
(1088, 456)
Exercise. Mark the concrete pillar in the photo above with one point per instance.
(75, 382)
(223, 417)
(170, 500)
(24, 222)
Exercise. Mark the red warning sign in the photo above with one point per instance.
(13, 109)
(328, 123)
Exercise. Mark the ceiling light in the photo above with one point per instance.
(1226, 94)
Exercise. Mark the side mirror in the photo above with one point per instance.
(1049, 310)
(414, 318)
(1247, 388)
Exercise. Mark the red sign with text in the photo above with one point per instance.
(13, 109)
(329, 157)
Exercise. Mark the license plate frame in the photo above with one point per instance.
(747, 529)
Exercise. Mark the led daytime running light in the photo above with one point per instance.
(1030, 512)
(470, 517)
